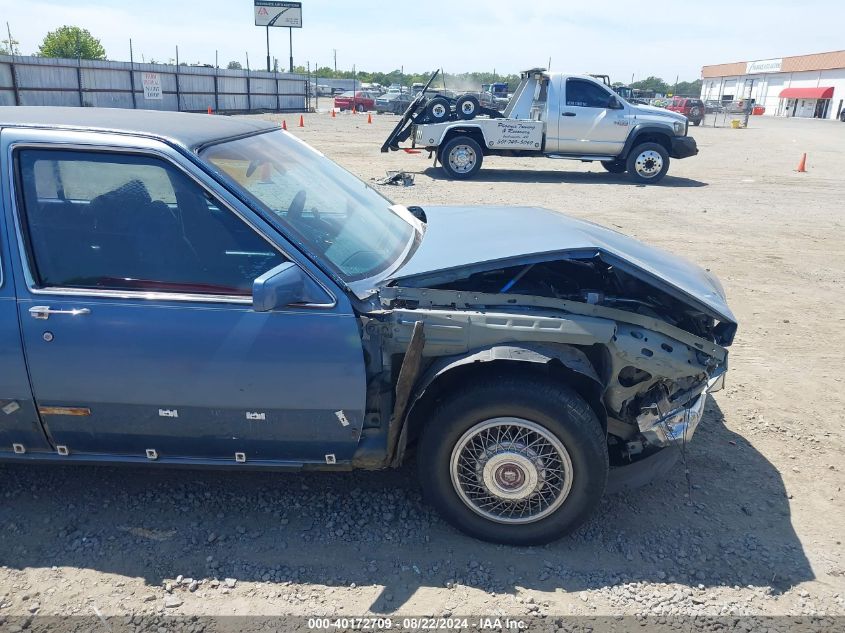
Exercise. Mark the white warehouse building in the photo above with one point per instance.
(807, 86)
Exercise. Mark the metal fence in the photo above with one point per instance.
(724, 113)
(45, 81)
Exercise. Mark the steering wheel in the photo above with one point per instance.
(297, 205)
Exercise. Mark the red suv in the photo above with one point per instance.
(693, 109)
(360, 101)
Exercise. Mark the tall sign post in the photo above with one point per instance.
(285, 14)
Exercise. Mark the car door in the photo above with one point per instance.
(588, 125)
(134, 301)
(20, 428)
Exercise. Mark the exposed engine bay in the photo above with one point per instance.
(596, 282)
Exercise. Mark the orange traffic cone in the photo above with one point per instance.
(209, 109)
(284, 124)
(301, 121)
(369, 117)
(354, 110)
(333, 114)
(802, 165)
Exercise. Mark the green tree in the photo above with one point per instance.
(688, 88)
(234, 66)
(652, 83)
(71, 42)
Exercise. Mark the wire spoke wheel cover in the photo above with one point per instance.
(649, 163)
(462, 158)
(511, 470)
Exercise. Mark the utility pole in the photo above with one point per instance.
(12, 42)
(268, 47)
(334, 50)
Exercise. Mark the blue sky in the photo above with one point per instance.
(622, 39)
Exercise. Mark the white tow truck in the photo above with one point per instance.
(555, 115)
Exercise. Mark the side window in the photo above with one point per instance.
(586, 94)
(101, 220)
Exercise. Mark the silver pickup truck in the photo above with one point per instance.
(553, 115)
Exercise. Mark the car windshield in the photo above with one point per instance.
(319, 205)
(349, 94)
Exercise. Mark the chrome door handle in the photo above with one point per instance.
(44, 312)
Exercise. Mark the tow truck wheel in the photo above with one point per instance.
(648, 163)
(461, 157)
(438, 110)
(614, 166)
(514, 460)
(467, 107)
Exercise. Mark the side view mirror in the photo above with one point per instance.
(284, 285)
(615, 104)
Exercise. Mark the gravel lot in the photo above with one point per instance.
(761, 534)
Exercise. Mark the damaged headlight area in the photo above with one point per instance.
(668, 420)
(656, 390)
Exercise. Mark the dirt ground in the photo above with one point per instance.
(762, 533)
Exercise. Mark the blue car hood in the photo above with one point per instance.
(462, 240)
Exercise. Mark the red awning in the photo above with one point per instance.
(807, 93)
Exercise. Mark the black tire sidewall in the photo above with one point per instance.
(429, 109)
(467, 99)
(630, 163)
(450, 145)
(614, 166)
(556, 408)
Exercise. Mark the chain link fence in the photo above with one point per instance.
(736, 114)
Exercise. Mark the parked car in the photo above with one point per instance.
(713, 106)
(186, 290)
(360, 100)
(842, 115)
(394, 102)
(691, 108)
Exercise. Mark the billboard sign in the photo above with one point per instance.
(152, 85)
(763, 66)
(272, 13)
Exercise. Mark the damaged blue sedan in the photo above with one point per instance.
(191, 290)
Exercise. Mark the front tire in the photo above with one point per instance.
(461, 157)
(647, 163)
(514, 460)
(614, 166)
